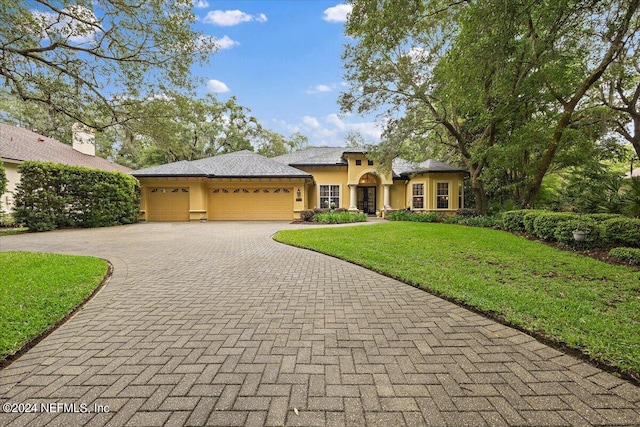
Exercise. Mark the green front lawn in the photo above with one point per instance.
(576, 301)
(37, 290)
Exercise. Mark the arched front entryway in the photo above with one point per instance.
(367, 194)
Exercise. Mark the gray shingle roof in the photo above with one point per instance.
(19, 144)
(403, 168)
(240, 164)
(314, 156)
(324, 156)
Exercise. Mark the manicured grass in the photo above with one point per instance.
(576, 301)
(37, 290)
(12, 231)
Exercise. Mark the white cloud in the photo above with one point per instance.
(200, 4)
(310, 122)
(338, 13)
(335, 121)
(227, 18)
(332, 130)
(319, 89)
(216, 86)
(226, 43)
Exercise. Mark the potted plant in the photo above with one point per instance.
(580, 235)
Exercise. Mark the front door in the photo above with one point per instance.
(367, 199)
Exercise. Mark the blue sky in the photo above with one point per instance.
(281, 59)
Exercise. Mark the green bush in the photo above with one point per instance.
(467, 212)
(603, 216)
(53, 196)
(621, 232)
(339, 217)
(529, 218)
(472, 221)
(514, 220)
(412, 216)
(545, 224)
(307, 215)
(631, 255)
(564, 232)
(3, 182)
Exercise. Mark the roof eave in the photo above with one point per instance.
(168, 175)
(260, 176)
(294, 165)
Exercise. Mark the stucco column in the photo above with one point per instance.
(386, 192)
(352, 197)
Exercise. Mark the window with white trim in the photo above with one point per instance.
(417, 201)
(329, 196)
(442, 195)
(460, 196)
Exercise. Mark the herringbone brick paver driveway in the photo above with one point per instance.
(216, 324)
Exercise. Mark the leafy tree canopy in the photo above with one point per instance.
(94, 61)
(505, 85)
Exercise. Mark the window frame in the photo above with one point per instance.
(446, 196)
(415, 196)
(331, 197)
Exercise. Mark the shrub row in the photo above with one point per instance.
(472, 221)
(413, 216)
(631, 255)
(53, 196)
(602, 230)
(341, 217)
(331, 216)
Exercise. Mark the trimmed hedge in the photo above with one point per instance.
(3, 182)
(53, 196)
(404, 215)
(603, 216)
(545, 224)
(340, 217)
(514, 220)
(631, 255)
(472, 221)
(529, 218)
(621, 232)
(564, 232)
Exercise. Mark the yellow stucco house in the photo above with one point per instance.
(247, 186)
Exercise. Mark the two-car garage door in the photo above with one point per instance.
(247, 203)
(223, 203)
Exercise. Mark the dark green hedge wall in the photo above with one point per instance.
(59, 196)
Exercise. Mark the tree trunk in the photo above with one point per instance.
(482, 202)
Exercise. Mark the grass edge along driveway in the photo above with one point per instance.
(37, 290)
(577, 302)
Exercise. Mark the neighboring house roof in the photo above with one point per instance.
(330, 156)
(18, 144)
(239, 164)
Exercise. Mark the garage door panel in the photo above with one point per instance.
(258, 204)
(168, 204)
